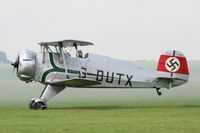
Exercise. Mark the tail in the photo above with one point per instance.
(173, 67)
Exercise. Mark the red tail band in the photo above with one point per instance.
(173, 64)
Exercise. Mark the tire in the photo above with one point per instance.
(40, 105)
(37, 105)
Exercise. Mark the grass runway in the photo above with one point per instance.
(98, 119)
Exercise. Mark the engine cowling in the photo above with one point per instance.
(26, 65)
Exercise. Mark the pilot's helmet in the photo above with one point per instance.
(79, 53)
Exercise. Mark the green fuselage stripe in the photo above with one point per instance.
(54, 69)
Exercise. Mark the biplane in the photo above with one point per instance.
(57, 68)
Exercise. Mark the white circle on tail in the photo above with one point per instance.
(172, 64)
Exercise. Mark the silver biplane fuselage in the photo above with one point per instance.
(57, 70)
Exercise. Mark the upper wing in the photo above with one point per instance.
(65, 43)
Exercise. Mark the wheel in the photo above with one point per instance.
(159, 93)
(37, 104)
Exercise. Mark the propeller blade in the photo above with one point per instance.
(16, 64)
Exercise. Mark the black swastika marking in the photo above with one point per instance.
(173, 65)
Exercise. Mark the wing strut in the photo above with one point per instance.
(75, 45)
(63, 57)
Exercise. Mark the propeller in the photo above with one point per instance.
(16, 64)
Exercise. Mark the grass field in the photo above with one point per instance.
(100, 110)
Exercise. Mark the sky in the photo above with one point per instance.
(123, 29)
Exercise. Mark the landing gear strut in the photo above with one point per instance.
(158, 91)
(48, 92)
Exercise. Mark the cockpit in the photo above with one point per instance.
(73, 48)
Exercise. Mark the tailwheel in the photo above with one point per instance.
(158, 91)
(37, 104)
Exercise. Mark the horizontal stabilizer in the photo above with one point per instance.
(170, 79)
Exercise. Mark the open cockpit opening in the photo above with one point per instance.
(72, 48)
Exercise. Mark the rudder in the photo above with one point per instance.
(173, 64)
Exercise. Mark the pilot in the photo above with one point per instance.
(79, 54)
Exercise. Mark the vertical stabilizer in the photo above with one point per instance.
(173, 64)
